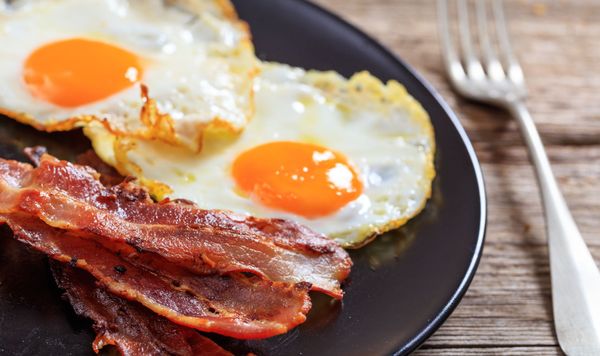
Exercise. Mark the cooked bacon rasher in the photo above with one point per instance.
(132, 329)
(70, 197)
(210, 270)
(234, 305)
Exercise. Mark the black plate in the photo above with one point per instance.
(403, 285)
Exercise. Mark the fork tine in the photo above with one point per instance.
(515, 73)
(451, 59)
(474, 69)
(493, 65)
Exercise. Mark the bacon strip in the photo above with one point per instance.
(133, 329)
(70, 197)
(234, 305)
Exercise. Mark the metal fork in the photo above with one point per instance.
(486, 70)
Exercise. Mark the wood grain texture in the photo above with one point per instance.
(507, 309)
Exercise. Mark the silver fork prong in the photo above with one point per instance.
(513, 69)
(492, 64)
(449, 53)
(474, 68)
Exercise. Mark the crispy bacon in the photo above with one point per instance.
(70, 197)
(35, 153)
(133, 329)
(233, 305)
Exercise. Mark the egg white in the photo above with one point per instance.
(200, 64)
(381, 129)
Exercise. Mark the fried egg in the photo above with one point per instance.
(150, 69)
(347, 158)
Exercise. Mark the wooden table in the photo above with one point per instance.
(507, 309)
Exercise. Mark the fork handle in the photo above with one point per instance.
(574, 274)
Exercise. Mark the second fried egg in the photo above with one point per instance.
(347, 158)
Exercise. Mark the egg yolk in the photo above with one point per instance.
(77, 71)
(300, 178)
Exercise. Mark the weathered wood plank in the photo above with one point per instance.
(483, 351)
(507, 310)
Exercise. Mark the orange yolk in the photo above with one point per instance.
(77, 71)
(299, 178)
